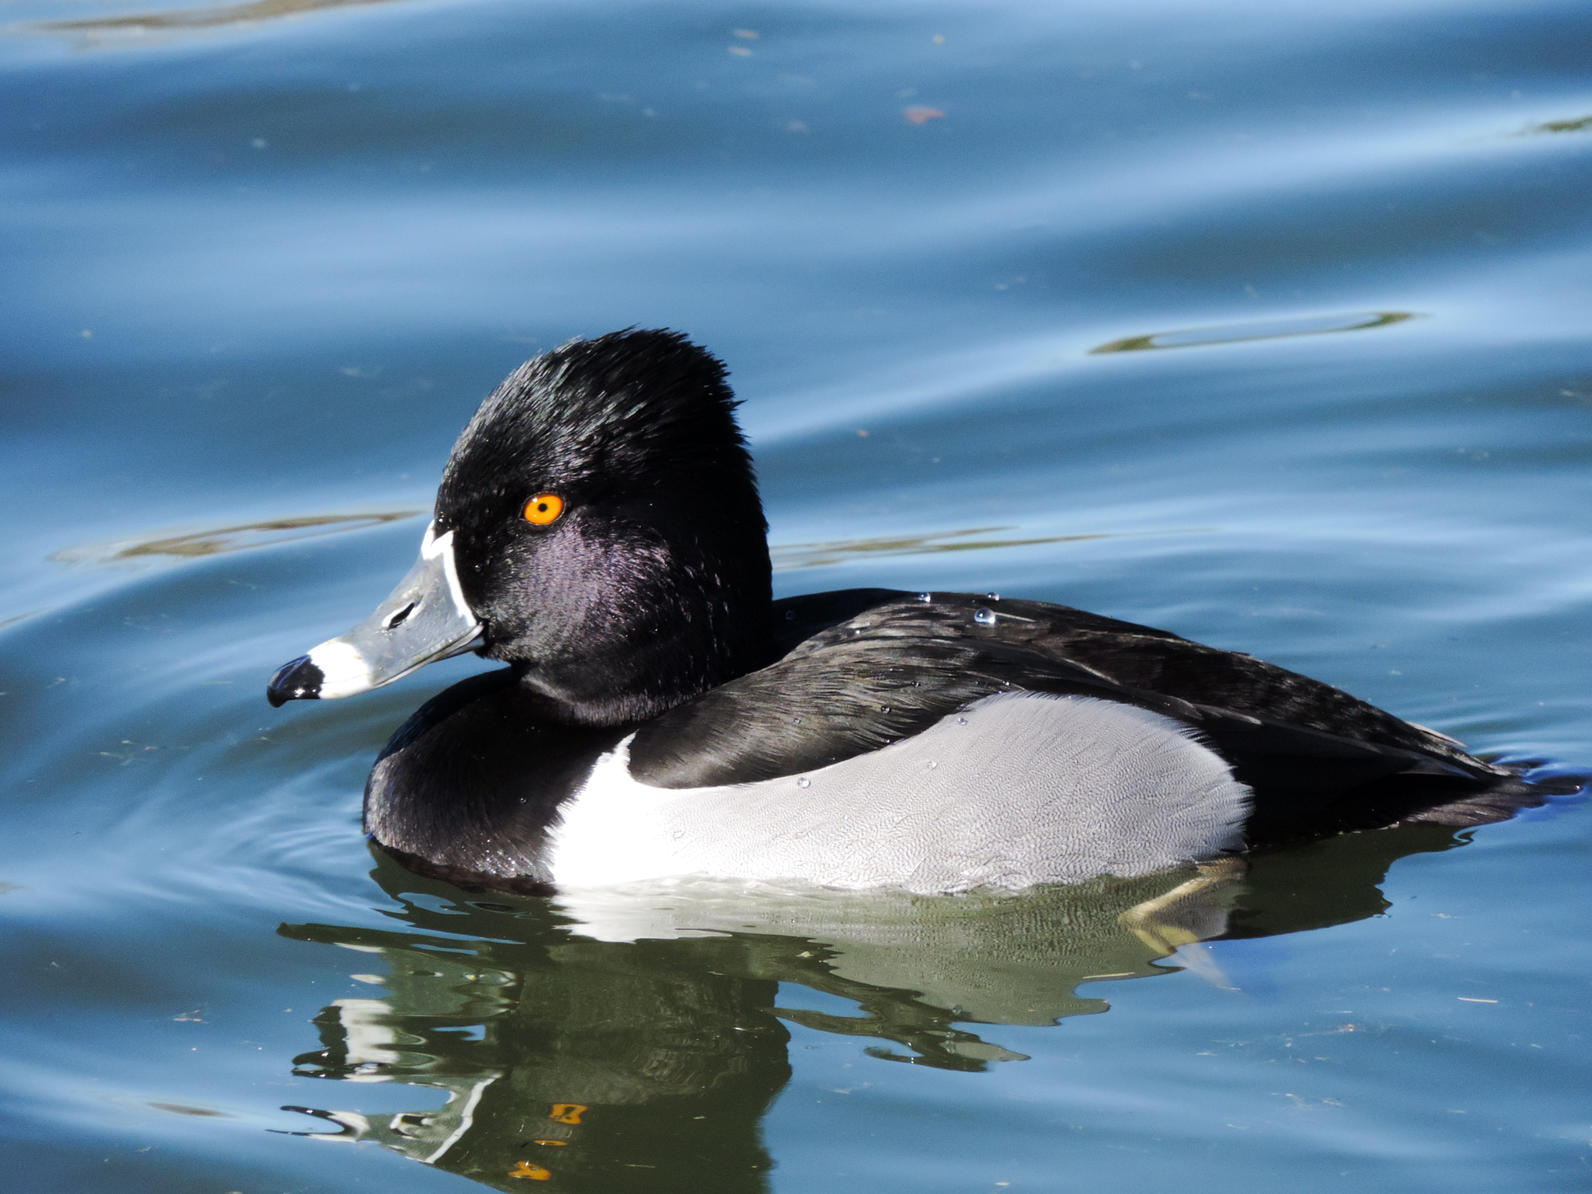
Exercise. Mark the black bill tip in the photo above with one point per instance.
(296, 680)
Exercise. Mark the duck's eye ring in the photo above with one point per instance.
(543, 509)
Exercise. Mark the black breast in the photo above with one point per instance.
(469, 786)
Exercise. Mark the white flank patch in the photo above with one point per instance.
(613, 830)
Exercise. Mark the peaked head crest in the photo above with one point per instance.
(633, 408)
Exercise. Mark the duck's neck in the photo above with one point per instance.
(657, 664)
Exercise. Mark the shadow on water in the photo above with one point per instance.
(791, 556)
(613, 1041)
(1581, 125)
(225, 539)
(1268, 329)
(197, 18)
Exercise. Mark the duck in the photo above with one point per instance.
(598, 530)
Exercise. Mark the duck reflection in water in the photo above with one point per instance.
(640, 1040)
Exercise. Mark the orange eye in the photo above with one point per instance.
(543, 509)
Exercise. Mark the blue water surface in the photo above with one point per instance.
(1271, 324)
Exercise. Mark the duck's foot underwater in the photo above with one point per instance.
(1187, 914)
